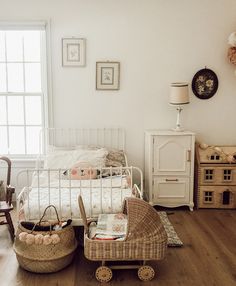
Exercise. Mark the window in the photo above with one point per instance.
(227, 175)
(208, 197)
(22, 89)
(208, 174)
(215, 157)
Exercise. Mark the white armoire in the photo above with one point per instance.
(169, 168)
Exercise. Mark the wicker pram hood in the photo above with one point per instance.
(143, 221)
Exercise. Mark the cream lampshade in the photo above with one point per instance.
(179, 96)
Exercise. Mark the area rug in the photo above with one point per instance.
(173, 238)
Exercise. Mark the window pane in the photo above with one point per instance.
(21, 97)
(3, 86)
(15, 77)
(3, 140)
(32, 46)
(15, 110)
(3, 113)
(2, 47)
(16, 140)
(33, 110)
(32, 140)
(14, 41)
(32, 77)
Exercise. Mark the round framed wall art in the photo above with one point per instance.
(205, 83)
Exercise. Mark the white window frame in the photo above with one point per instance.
(45, 74)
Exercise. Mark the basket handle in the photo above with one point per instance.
(38, 223)
(44, 213)
(83, 214)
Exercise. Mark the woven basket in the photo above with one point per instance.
(146, 238)
(46, 258)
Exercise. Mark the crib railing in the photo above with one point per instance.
(48, 181)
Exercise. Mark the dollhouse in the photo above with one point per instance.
(215, 176)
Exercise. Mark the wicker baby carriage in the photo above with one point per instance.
(145, 240)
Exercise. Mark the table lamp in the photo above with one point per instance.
(179, 96)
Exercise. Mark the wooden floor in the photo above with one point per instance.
(208, 257)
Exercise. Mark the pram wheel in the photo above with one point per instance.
(146, 273)
(103, 274)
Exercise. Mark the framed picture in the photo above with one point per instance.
(205, 83)
(73, 52)
(107, 75)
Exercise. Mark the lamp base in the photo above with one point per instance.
(178, 129)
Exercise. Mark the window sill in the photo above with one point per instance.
(33, 160)
(19, 163)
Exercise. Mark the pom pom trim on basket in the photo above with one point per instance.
(47, 239)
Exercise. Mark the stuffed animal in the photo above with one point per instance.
(83, 171)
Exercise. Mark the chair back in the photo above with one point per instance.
(8, 161)
(2, 191)
(5, 187)
(8, 190)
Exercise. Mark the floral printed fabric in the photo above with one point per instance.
(115, 158)
(173, 239)
(99, 196)
(111, 226)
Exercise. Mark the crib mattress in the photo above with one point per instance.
(104, 196)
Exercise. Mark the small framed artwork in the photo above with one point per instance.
(107, 75)
(73, 52)
(205, 83)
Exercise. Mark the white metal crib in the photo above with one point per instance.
(101, 195)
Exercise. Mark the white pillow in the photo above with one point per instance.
(53, 148)
(65, 159)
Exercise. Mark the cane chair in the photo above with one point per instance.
(6, 205)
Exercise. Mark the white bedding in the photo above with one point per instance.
(53, 185)
(104, 195)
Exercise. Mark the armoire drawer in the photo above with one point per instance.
(170, 189)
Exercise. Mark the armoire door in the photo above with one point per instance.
(172, 155)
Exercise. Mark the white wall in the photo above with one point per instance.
(156, 42)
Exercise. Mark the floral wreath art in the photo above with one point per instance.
(231, 54)
(205, 83)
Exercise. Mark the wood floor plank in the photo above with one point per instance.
(208, 257)
(208, 248)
